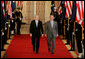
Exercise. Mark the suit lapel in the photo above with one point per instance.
(38, 23)
(35, 23)
(50, 23)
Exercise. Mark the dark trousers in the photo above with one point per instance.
(13, 27)
(63, 30)
(18, 27)
(63, 27)
(79, 45)
(59, 28)
(67, 37)
(37, 41)
(71, 37)
(6, 31)
(9, 32)
(3, 42)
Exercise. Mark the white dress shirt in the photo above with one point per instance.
(51, 24)
(36, 23)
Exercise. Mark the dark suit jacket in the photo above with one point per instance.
(78, 31)
(18, 15)
(36, 31)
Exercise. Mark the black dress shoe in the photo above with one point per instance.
(3, 50)
(67, 44)
(49, 50)
(6, 43)
(71, 50)
(52, 53)
(18, 34)
(9, 38)
(36, 52)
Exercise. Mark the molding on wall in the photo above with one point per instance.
(34, 8)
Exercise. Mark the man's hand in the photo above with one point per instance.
(30, 34)
(45, 35)
(42, 35)
(57, 35)
(81, 42)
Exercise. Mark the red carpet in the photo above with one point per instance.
(21, 47)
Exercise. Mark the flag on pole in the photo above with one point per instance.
(7, 6)
(1, 12)
(1, 15)
(18, 3)
(9, 9)
(21, 5)
(13, 5)
(63, 9)
(59, 8)
(3, 8)
(52, 7)
(80, 12)
(68, 6)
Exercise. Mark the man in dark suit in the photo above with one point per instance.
(71, 27)
(58, 20)
(78, 32)
(13, 22)
(19, 18)
(36, 29)
(63, 16)
(67, 31)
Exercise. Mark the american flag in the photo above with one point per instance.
(3, 8)
(9, 8)
(21, 5)
(52, 7)
(59, 8)
(80, 12)
(18, 3)
(13, 5)
(68, 6)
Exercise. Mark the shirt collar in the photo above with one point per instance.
(51, 21)
(36, 20)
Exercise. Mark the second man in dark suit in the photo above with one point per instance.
(19, 17)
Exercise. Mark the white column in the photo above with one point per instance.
(34, 8)
(47, 10)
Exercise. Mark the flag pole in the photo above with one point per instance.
(64, 28)
(68, 23)
(82, 34)
(8, 30)
(75, 35)
(74, 29)
(15, 18)
(21, 10)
